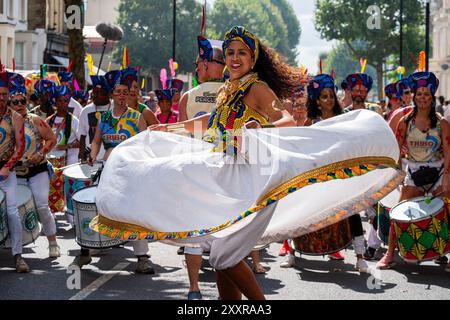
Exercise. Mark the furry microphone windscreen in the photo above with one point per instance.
(109, 31)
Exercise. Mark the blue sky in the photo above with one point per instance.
(311, 45)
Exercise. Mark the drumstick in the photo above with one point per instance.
(72, 165)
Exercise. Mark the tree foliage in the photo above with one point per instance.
(346, 21)
(273, 21)
(148, 26)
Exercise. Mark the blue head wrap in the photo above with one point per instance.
(319, 83)
(424, 80)
(361, 79)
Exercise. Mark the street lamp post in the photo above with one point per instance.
(401, 32)
(174, 29)
(427, 35)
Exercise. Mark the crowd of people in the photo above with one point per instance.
(258, 90)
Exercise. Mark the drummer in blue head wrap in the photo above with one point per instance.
(67, 79)
(31, 170)
(360, 85)
(426, 137)
(12, 146)
(65, 125)
(90, 115)
(45, 90)
(129, 76)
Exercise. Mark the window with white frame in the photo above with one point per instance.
(19, 55)
(11, 9)
(23, 10)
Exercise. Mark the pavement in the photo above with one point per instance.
(111, 276)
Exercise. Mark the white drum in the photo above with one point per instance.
(85, 210)
(31, 227)
(3, 218)
(76, 178)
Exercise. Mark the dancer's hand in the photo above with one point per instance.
(158, 127)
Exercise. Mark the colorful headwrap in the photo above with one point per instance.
(391, 91)
(113, 79)
(44, 86)
(164, 94)
(65, 76)
(241, 34)
(403, 85)
(128, 75)
(424, 80)
(83, 95)
(361, 79)
(176, 84)
(16, 85)
(62, 91)
(100, 81)
(319, 83)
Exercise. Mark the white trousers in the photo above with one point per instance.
(9, 187)
(40, 186)
(140, 247)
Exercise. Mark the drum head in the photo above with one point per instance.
(56, 154)
(86, 195)
(23, 194)
(81, 171)
(391, 199)
(416, 209)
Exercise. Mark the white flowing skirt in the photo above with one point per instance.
(285, 182)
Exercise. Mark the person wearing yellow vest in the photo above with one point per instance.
(115, 126)
(12, 147)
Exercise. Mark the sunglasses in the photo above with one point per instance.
(407, 92)
(16, 102)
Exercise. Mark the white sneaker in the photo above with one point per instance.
(290, 263)
(54, 251)
(361, 266)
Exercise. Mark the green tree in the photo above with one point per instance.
(147, 27)
(347, 21)
(272, 21)
(341, 60)
(293, 27)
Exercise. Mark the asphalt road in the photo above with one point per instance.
(111, 276)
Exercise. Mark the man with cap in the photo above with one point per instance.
(45, 91)
(90, 115)
(209, 69)
(12, 147)
(360, 85)
(66, 79)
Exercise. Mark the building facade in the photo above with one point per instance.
(440, 61)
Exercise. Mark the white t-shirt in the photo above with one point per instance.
(89, 117)
(72, 153)
(75, 107)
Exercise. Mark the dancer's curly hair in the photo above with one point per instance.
(273, 69)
